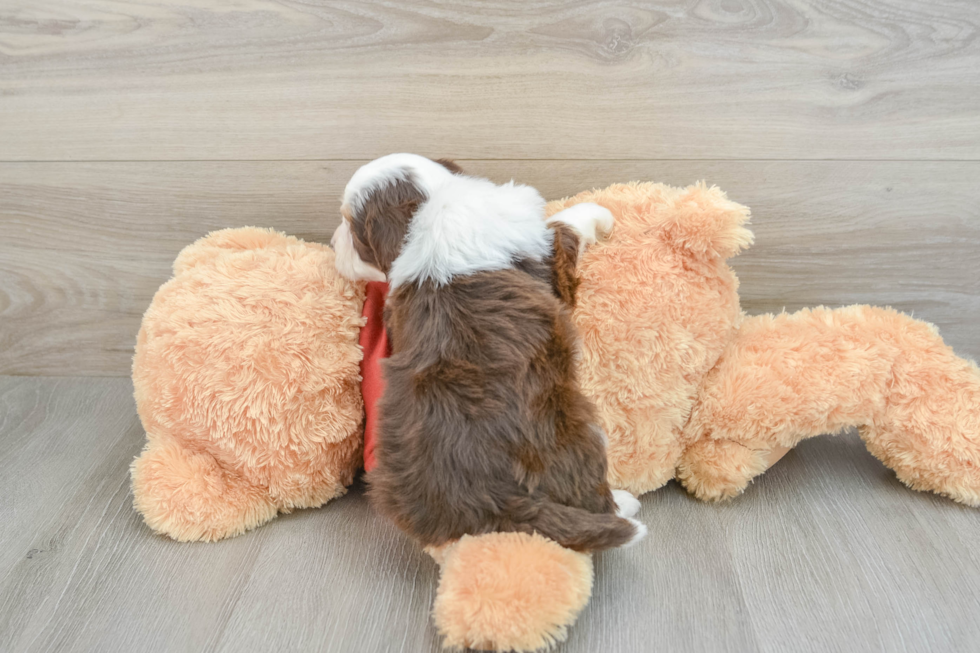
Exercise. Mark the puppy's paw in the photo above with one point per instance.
(604, 221)
(590, 221)
(626, 504)
(641, 532)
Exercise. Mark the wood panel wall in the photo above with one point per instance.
(127, 130)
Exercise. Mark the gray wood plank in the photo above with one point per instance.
(826, 551)
(836, 554)
(278, 79)
(85, 245)
(354, 584)
(642, 601)
(80, 572)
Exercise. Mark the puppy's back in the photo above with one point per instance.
(482, 426)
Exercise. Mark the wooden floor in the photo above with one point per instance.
(825, 552)
(129, 129)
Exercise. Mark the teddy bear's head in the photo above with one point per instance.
(657, 304)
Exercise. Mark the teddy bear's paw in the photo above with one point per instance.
(590, 221)
(626, 504)
(188, 496)
(510, 592)
(714, 470)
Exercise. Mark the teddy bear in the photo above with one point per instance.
(249, 362)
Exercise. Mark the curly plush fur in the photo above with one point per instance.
(246, 382)
(688, 386)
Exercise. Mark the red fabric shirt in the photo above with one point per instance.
(374, 342)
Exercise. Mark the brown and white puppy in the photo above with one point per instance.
(482, 426)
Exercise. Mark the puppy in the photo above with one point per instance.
(482, 426)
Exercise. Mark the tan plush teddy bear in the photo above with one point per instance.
(247, 382)
(689, 387)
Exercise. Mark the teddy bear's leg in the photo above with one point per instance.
(712, 469)
(509, 591)
(789, 377)
(928, 431)
(188, 496)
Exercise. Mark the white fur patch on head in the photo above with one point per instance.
(465, 225)
(346, 259)
(426, 174)
(470, 225)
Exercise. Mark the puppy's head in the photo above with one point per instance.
(379, 203)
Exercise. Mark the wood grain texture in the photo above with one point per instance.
(86, 245)
(80, 572)
(826, 551)
(290, 79)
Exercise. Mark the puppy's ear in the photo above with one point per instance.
(385, 219)
(386, 230)
(450, 165)
(564, 277)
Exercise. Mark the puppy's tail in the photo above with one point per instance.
(578, 529)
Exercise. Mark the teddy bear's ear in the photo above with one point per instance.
(215, 243)
(696, 221)
(705, 223)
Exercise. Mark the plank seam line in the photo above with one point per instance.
(574, 160)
